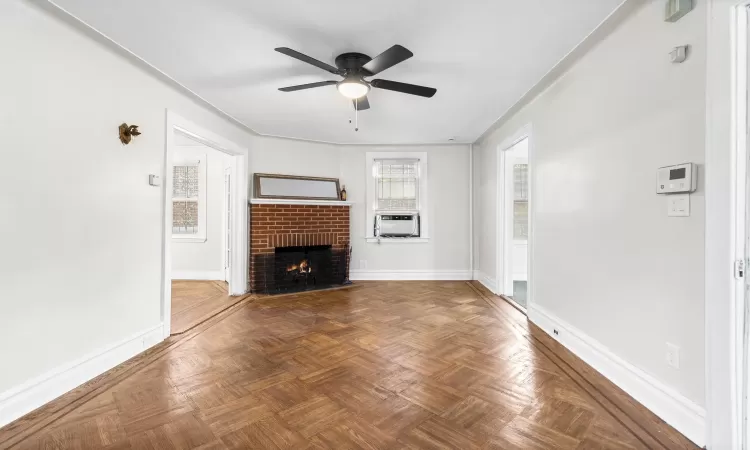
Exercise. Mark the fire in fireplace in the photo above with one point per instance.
(294, 269)
(302, 267)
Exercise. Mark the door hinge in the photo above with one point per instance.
(739, 269)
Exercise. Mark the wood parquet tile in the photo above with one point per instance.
(394, 365)
(194, 301)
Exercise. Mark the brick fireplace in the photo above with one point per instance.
(285, 238)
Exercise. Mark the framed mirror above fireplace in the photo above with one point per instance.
(295, 187)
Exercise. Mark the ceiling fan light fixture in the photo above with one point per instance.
(353, 88)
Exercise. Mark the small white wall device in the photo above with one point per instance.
(676, 9)
(678, 54)
(681, 178)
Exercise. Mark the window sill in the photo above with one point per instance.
(188, 239)
(398, 240)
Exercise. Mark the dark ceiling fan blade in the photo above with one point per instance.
(406, 88)
(299, 87)
(388, 58)
(307, 59)
(361, 104)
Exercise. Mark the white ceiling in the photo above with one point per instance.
(481, 56)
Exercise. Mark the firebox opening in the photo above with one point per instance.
(300, 268)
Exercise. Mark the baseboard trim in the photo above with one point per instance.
(207, 275)
(21, 400)
(410, 275)
(487, 281)
(676, 410)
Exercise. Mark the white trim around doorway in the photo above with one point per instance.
(239, 225)
(726, 224)
(503, 272)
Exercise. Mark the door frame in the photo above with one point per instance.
(726, 222)
(239, 224)
(504, 270)
(739, 330)
(226, 211)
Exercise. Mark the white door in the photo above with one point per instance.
(227, 222)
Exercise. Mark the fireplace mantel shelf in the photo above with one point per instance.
(286, 201)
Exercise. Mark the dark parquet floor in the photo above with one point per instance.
(385, 365)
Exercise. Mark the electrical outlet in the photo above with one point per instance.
(673, 356)
(362, 264)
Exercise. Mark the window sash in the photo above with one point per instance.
(184, 220)
(397, 184)
(186, 181)
(520, 201)
(186, 198)
(520, 182)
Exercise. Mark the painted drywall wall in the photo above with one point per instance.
(448, 184)
(204, 260)
(80, 268)
(606, 258)
(291, 157)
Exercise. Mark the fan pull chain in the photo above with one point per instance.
(356, 114)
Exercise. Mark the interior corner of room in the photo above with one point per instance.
(596, 182)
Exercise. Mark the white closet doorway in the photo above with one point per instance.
(514, 222)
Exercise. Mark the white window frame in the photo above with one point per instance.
(371, 202)
(200, 161)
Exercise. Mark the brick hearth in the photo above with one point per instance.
(273, 225)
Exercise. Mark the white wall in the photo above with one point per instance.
(204, 260)
(81, 258)
(292, 157)
(606, 258)
(447, 252)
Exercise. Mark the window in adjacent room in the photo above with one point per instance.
(396, 190)
(520, 202)
(189, 200)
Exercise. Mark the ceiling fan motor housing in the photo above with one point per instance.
(353, 62)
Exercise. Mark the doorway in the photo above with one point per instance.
(200, 237)
(514, 220)
(205, 225)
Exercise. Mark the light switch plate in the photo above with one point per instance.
(678, 205)
(673, 356)
(154, 180)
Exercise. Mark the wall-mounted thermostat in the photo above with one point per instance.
(677, 179)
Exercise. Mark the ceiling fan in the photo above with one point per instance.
(354, 67)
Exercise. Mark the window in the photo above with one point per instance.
(397, 183)
(189, 200)
(520, 202)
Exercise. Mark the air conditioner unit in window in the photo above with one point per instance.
(397, 225)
